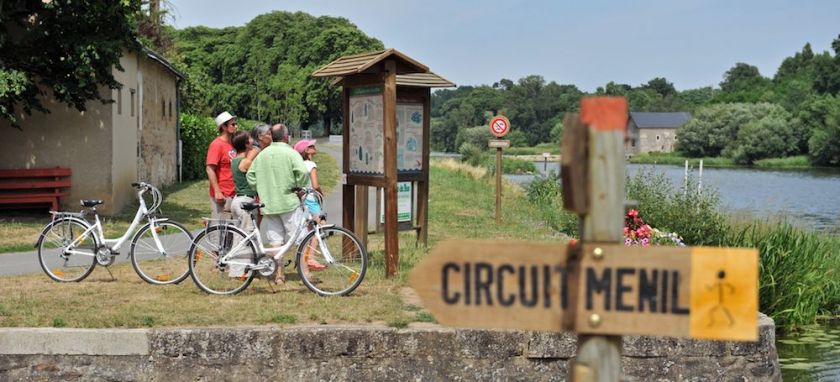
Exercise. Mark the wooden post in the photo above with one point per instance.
(347, 190)
(390, 125)
(498, 185)
(599, 357)
(361, 220)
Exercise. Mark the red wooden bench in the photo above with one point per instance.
(34, 186)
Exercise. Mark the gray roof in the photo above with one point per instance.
(659, 120)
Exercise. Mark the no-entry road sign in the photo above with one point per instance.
(499, 126)
(708, 293)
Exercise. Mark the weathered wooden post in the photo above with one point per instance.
(599, 135)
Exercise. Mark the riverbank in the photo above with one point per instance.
(799, 162)
(800, 268)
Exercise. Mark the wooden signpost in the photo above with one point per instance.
(499, 126)
(598, 287)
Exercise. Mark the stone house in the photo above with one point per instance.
(108, 146)
(653, 132)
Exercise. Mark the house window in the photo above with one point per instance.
(162, 107)
(170, 109)
(132, 91)
(675, 138)
(657, 138)
(633, 142)
(119, 101)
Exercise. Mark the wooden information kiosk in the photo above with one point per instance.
(386, 107)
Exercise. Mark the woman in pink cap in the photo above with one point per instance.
(306, 148)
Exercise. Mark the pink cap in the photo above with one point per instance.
(302, 144)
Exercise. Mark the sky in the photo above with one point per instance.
(586, 43)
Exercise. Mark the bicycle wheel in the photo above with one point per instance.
(158, 267)
(207, 269)
(60, 261)
(349, 262)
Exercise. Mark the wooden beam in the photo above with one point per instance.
(423, 183)
(390, 140)
(361, 220)
(606, 118)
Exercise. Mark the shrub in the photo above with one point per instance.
(196, 134)
(517, 138)
(477, 136)
(510, 165)
(545, 192)
(690, 214)
(472, 154)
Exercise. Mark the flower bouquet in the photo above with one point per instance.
(637, 232)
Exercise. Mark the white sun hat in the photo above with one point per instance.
(224, 117)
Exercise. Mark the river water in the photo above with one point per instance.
(808, 198)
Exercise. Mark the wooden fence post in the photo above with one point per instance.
(599, 357)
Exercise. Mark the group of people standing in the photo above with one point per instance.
(261, 165)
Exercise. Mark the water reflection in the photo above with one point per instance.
(811, 356)
(810, 198)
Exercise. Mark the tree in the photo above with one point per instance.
(62, 48)
(263, 70)
(824, 143)
(768, 137)
(713, 130)
(661, 86)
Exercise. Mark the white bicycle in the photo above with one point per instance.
(330, 260)
(70, 247)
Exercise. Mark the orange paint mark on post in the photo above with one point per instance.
(604, 113)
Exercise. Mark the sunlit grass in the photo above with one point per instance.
(461, 206)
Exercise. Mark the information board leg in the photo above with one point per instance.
(499, 185)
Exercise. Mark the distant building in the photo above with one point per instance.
(653, 132)
(109, 146)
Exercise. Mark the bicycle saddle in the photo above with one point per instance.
(249, 206)
(91, 203)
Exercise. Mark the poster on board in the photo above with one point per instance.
(366, 128)
(409, 137)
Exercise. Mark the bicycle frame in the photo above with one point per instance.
(256, 237)
(116, 244)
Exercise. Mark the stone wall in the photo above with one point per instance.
(360, 353)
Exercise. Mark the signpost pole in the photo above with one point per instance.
(599, 357)
(498, 185)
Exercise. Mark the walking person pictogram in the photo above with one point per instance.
(720, 286)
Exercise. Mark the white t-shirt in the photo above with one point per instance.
(310, 165)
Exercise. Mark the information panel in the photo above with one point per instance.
(409, 137)
(366, 129)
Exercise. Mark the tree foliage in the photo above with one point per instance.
(263, 69)
(63, 49)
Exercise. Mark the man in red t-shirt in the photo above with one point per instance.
(219, 154)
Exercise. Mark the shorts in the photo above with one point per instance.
(313, 206)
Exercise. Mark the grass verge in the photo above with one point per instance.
(462, 205)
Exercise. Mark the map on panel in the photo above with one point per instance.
(409, 136)
(366, 128)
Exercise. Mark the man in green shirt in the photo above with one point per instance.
(273, 173)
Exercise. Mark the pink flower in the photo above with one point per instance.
(645, 242)
(633, 213)
(628, 242)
